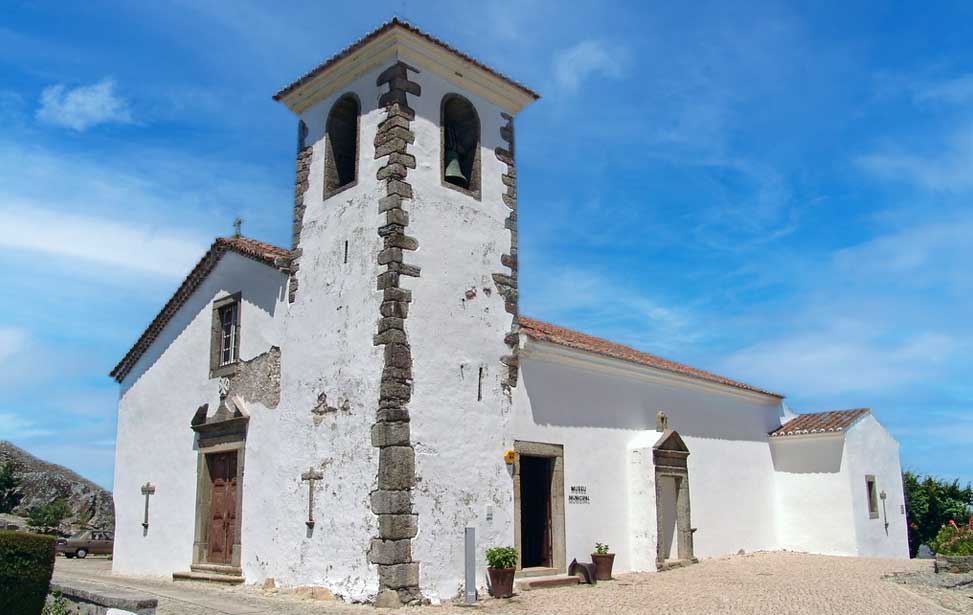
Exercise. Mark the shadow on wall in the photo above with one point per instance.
(262, 287)
(565, 396)
(810, 455)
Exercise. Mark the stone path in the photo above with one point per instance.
(755, 584)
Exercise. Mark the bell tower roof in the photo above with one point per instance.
(397, 40)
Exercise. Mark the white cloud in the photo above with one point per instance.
(151, 212)
(84, 106)
(953, 91)
(946, 170)
(588, 58)
(98, 240)
(591, 301)
(15, 427)
(12, 341)
(843, 359)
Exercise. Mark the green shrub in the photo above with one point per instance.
(46, 518)
(953, 539)
(9, 498)
(57, 605)
(501, 557)
(26, 566)
(930, 503)
(601, 548)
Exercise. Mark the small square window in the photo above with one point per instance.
(872, 491)
(225, 346)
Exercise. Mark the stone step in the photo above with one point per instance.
(233, 571)
(672, 564)
(211, 577)
(559, 580)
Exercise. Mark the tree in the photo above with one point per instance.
(9, 498)
(930, 504)
(47, 517)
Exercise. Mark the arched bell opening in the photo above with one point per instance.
(460, 160)
(341, 145)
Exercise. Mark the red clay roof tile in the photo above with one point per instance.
(547, 332)
(819, 422)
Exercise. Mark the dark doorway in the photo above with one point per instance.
(535, 511)
(222, 507)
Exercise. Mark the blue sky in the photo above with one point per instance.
(773, 192)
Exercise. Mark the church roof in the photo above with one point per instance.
(820, 422)
(250, 248)
(386, 27)
(546, 332)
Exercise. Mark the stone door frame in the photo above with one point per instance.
(555, 452)
(670, 456)
(218, 437)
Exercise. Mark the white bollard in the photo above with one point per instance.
(470, 594)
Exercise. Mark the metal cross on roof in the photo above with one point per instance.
(237, 223)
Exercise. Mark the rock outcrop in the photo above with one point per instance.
(41, 482)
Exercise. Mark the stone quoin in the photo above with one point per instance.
(336, 413)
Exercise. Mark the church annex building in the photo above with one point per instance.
(336, 413)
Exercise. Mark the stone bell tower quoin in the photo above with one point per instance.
(405, 208)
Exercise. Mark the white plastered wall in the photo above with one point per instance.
(813, 494)
(327, 352)
(159, 397)
(458, 439)
(605, 418)
(821, 492)
(326, 348)
(871, 450)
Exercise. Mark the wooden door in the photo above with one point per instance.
(222, 507)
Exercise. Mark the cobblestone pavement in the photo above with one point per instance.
(953, 591)
(753, 584)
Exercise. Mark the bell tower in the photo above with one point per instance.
(405, 267)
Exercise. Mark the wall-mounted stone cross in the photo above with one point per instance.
(147, 490)
(310, 476)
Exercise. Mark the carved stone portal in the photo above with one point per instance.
(673, 516)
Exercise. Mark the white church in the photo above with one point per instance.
(336, 413)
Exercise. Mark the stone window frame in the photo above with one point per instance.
(216, 343)
(328, 152)
(476, 185)
(871, 496)
(558, 540)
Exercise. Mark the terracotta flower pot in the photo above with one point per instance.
(603, 565)
(501, 582)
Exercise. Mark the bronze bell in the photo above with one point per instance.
(454, 173)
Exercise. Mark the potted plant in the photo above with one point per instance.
(603, 562)
(501, 566)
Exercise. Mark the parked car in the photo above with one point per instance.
(86, 542)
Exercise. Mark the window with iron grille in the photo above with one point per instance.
(225, 346)
(228, 341)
